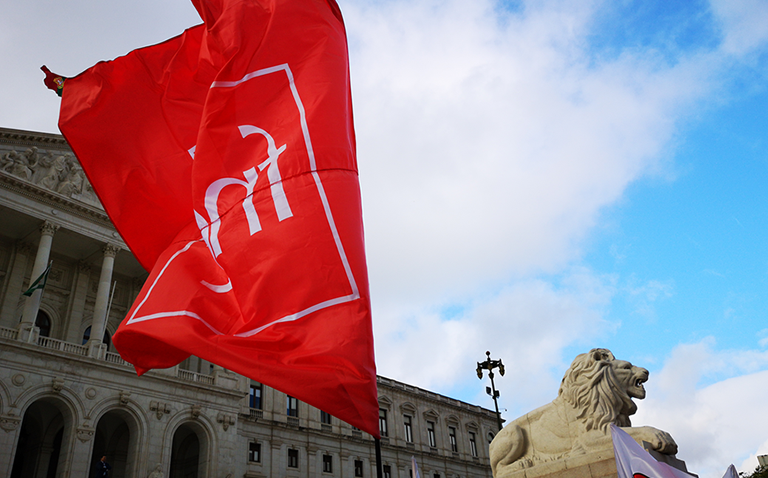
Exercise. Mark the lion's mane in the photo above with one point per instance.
(590, 386)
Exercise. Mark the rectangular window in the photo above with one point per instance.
(383, 422)
(254, 398)
(325, 417)
(254, 452)
(452, 436)
(472, 444)
(293, 458)
(327, 464)
(293, 407)
(408, 428)
(386, 470)
(358, 468)
(436, 475)
(431, 434)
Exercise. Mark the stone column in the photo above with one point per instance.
(78, 461)
(278, 462)
(27, 330)
(314, 461)
(8, 317)
(95, 346)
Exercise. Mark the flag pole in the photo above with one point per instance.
(379, 469)
(109, 307)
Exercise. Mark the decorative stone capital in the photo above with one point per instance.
(225, 420)
(124, 397)
(111, 250)
(9, 422)
(159, 408)
(83, 267)
(48, 228)
(85, 433)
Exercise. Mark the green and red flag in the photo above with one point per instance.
(53, 81)
(38, 283)
(226, 159)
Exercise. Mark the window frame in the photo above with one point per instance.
(293, 458)
(452, 438)
(254, 395)
(327, 463)
(326, 418)
(254, 451)
(383, 426)
(292, 411)
(432, 440)
(408, 428)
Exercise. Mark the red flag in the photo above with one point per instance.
(226, 159)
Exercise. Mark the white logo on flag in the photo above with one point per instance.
(210, 228)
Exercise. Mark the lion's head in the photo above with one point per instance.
(601, 389)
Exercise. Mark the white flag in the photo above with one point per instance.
(634, 462)
(415, 468)
(731, 472)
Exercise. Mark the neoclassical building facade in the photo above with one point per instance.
(67, 398)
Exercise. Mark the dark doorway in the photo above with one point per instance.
(40, 440)
(185, 453)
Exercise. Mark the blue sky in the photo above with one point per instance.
(700, 231)
(539, 178)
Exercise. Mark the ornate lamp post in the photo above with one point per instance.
(490, 365)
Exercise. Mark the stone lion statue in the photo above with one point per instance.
(597, 390)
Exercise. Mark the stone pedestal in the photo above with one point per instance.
(594, 465)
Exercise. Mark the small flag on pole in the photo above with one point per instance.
(415, 468)
(39, 283)
(53, 81)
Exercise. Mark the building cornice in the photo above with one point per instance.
(432, 396)
(54, 199)
(31, 138)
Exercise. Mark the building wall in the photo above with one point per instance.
(65, 401)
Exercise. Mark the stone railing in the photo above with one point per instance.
(195, 377)
(6, 333)
(109, 357)
(114, 358)
(253, 414)
(61, 346)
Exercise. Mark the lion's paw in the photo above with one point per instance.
(660, 440)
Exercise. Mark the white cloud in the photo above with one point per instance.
(743, 24)
(488, 146)
(717, 424)
(528, 324)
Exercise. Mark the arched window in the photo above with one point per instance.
(87, 336)
(43, 322)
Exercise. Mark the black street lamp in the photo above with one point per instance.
(490, 365)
